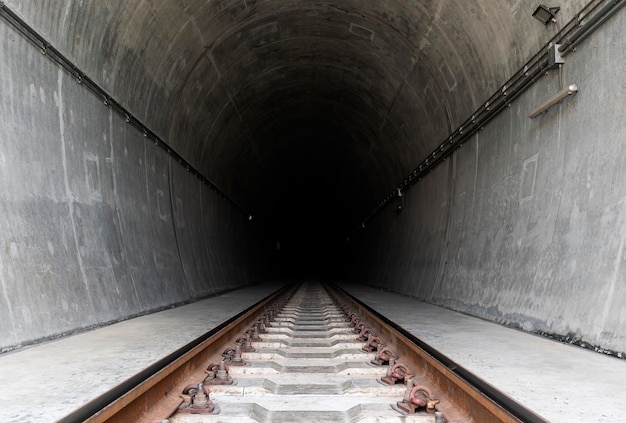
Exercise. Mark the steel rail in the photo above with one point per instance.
(153, 395)
(484, 402)
(138, 396)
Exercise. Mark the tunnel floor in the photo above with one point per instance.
(561, 382)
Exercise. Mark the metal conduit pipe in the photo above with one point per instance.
(523, 79)
(491, 109)
(55, 55)
(590, 27)
(500, 104)
(435, 159)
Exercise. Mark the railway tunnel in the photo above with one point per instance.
(153, 153)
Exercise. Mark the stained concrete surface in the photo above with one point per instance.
(313, 387)
(97, 224)
(308, 115)
(526, 224)
(561, 382)
(46, 382)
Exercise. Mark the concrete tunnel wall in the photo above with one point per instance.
(97, 224)
(307, 114)
(526, 224)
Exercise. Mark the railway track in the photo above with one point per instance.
(306, 354)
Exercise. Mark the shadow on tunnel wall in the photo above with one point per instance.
(524, 225)
(97, 224)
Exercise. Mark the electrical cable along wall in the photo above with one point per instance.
(99, 224)
(523, 223)
(550, 57)
(73, 70)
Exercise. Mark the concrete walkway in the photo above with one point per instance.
(563, 383)
(46, 382)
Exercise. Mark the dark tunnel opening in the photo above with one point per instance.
(136, 196)
(309, 209)
(312, 181)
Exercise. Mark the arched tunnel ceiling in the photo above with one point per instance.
(335, 100)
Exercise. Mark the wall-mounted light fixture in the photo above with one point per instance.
(545, 14)
(557, 98)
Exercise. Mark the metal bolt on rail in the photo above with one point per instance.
(232, 356)
(392, 363)
(253, 332)
(417, 397)
(354, 321)
(365, 333)
(196, 400)
(237, 359)
(222, 372)
(407, 392)
(376, 361)
(359, 327)
(384, 356)
(373, 343)
(244, 343)
(217, 374)
(398, 373)
(266, 321)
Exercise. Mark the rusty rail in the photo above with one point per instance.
(154, 391)
(461, 396)
(473, 398)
